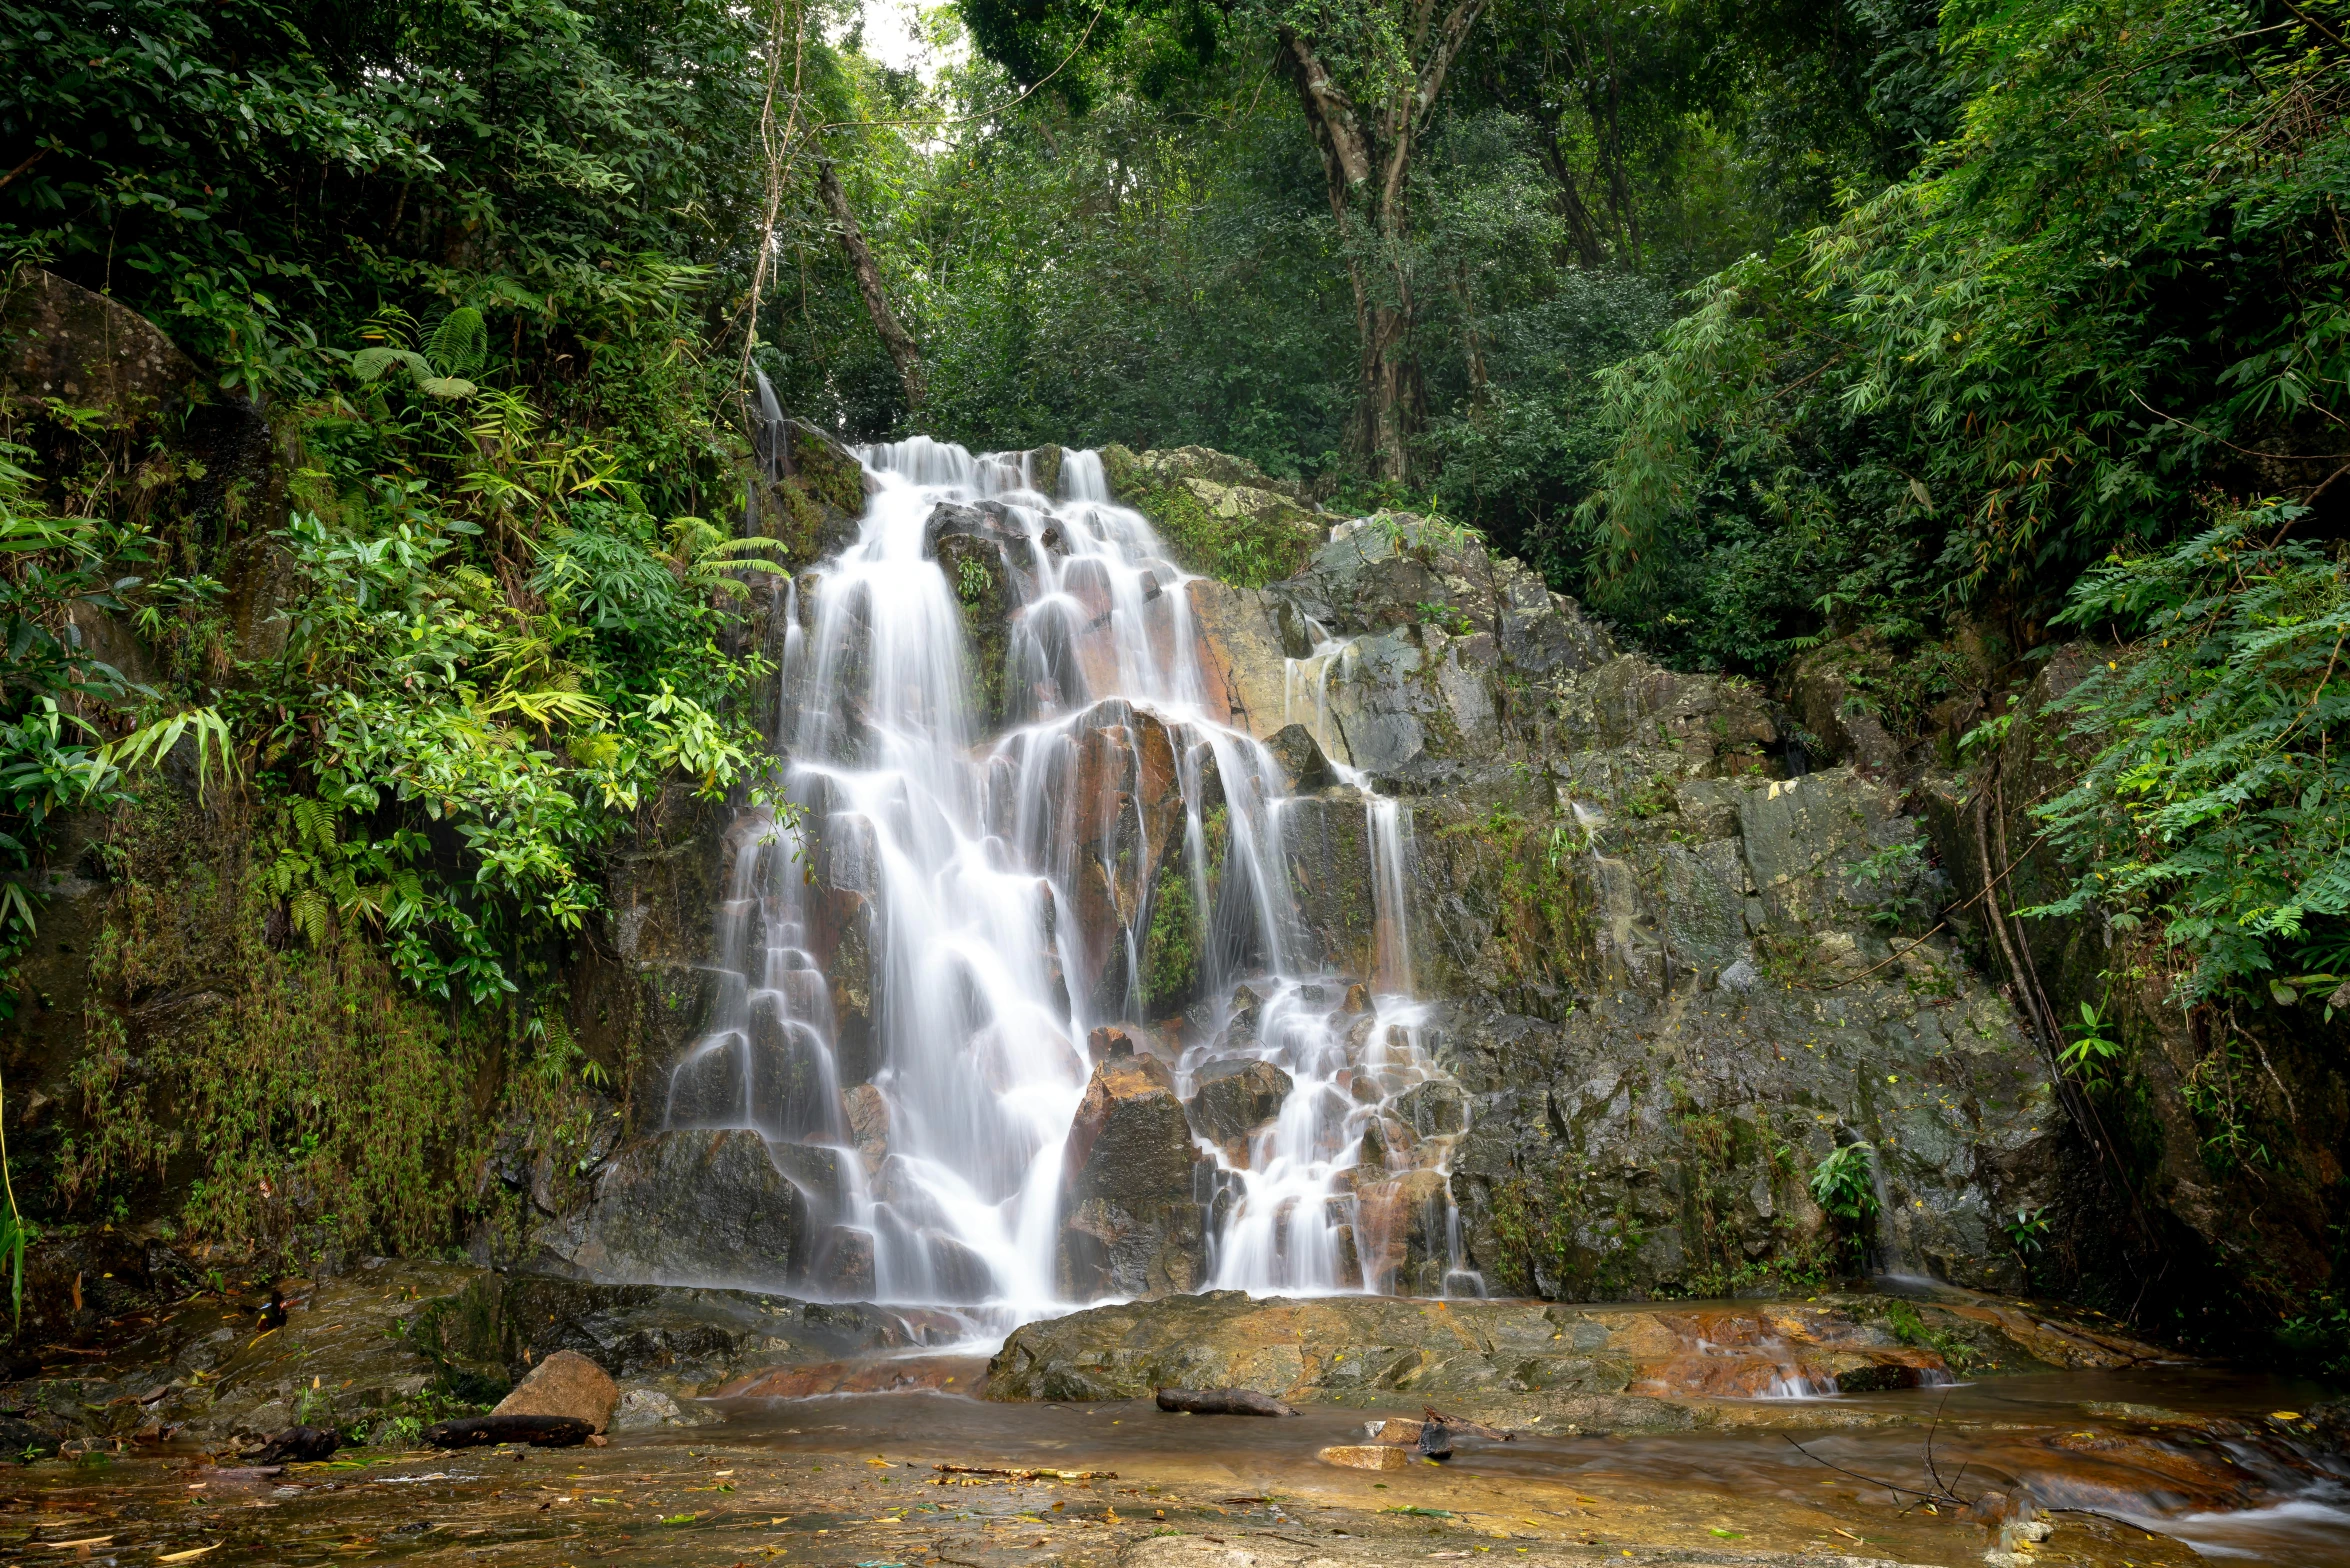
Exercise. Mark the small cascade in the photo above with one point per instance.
(1019, 841)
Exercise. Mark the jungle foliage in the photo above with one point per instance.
(1755, 326)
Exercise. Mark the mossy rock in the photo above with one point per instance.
(814, 509)
(1219, 516)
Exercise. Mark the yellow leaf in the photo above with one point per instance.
(181, 1557)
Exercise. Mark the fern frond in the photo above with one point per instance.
(309, 914)
(459, 344)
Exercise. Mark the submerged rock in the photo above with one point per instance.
(1365, 1456)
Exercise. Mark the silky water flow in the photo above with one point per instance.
(984, 894)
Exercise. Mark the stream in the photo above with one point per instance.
(2145, 1468)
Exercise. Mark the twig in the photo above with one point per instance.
(38, 154)
(1897, 1491)
(1930, 1431)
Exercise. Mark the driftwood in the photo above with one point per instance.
(537, 1431)
(995, 1473)
(296, 1445)
(1222, 1402)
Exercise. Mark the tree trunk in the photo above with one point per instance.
(1365, 161)
(894, 337)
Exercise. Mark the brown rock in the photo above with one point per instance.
(1365, 1456)
(868, 1114)
(565, 1384)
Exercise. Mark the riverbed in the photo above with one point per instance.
(2134, 1469)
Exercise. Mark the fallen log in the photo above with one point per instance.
(1222, 1402)
(537, 1431)
(297, 1444)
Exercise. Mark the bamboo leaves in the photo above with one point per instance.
(148, 745)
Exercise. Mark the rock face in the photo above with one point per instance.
(1517, 1361)
(692, 1207)
(1133, 1218)
(2153, 1207)
(1219, 514)
(1669, 975)
(62, 341)
(564, 1384)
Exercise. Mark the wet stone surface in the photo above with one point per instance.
(856, 1481)
(820, 1441)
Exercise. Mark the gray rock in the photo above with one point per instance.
(693, 1207)
(1236, 1096)
(1131, 1226)
(648, 1410)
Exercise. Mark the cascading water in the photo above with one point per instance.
(911, 959)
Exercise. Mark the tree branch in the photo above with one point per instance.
(894, 336)
(1331, 112)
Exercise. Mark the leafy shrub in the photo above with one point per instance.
(2216, 800)
(1844, 1184)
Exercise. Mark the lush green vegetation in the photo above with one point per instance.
(1946, 334)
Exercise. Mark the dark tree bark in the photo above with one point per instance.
(1366, 155)
(894, 336)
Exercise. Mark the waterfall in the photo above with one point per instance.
(911, 960)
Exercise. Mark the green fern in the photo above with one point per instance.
(314, 823)
(460, 344)
(310, 913)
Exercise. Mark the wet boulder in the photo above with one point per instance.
(564, 1384)
(1434, 1109)
(1234, 1096)
(1131, 1226)
(977, 548)
(1300, 756)
(691, 1206)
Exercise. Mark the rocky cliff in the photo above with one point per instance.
(1672, 964)
(1675, 970)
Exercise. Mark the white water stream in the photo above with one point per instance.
(989, 899)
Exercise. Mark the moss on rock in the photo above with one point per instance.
(1219, 515)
